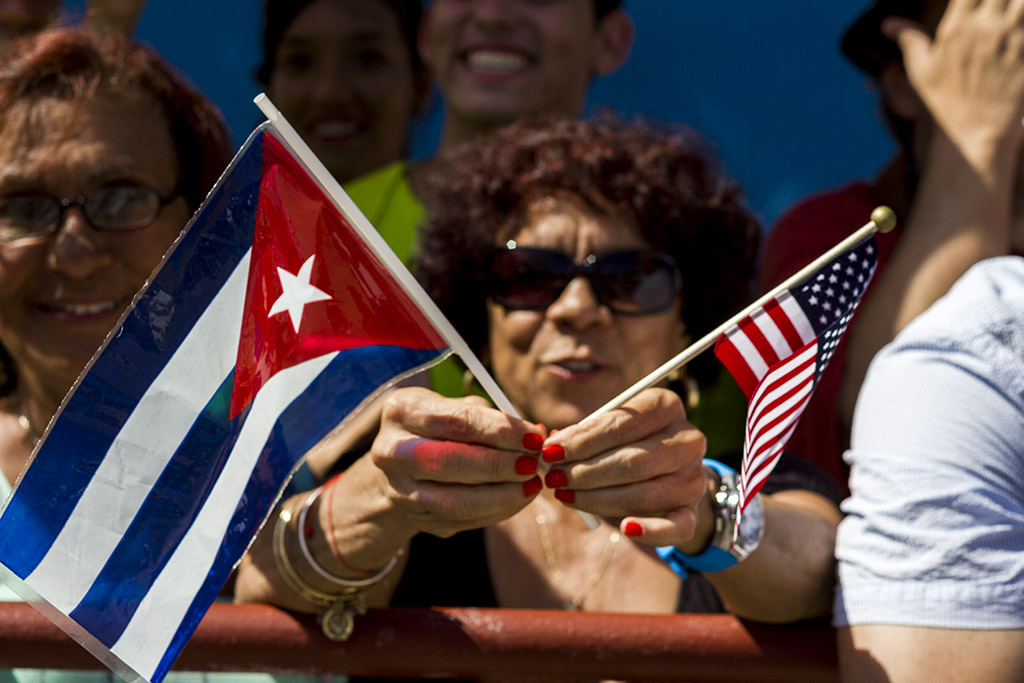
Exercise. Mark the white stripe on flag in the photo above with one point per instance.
(751, 356)
(769, 391)
(772, 334)
(132, 465)
(765, 436)
(797, 317)
(145, 639)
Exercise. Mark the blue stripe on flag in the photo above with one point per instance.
(186, 482)
(159, 525)
(338, 390)
(116, 382)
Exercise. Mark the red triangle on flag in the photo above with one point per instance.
(300, 234)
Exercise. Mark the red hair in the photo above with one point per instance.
(76, 65)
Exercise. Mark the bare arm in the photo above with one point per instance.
(644, 461)
(909, 654)
(969, 81)
(792, 573)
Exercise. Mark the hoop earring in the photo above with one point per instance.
(687, 388)
(468, 383)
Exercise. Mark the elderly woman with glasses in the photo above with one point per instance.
(105, 152)
(575, 258)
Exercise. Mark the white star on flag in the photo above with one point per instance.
(296, 292)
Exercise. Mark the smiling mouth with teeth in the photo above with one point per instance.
(492, 60)
(82, 310)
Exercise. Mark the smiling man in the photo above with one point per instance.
(498, 61)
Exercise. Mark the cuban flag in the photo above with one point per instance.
(266, 324)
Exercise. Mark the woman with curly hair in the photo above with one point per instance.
(575, 258)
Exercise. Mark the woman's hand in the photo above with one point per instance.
(640, 462)
(455, 464)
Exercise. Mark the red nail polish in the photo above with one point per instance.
(566, 495)
(633, 529)
(531, 487)
(532, 441)
(526, 465)
(556, 479)
(552, 453)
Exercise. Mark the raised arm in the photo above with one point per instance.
(965, 95)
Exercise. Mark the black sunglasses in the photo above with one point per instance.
(114, 208)
(628, 282)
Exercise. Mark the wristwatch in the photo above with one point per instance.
(728, 545)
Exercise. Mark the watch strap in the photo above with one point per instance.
(712, 558)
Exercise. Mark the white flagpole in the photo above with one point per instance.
(882, 220)
(385, 254)
(393, 263)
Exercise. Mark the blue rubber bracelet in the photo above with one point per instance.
(712, 559)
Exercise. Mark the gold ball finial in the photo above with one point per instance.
(884, 218)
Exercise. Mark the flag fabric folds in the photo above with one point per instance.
(267, 323)
(778, 352)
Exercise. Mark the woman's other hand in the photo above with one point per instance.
(640, 463)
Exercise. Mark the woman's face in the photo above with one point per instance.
(343, 79)
(60, 295)
(560, 364)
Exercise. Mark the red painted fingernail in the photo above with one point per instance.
(566, 495)
(552, 453)
(531, 487)
(556, 479)
(532, 441)
(633, 529)
(526, 465)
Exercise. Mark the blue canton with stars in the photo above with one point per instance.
(829, 297)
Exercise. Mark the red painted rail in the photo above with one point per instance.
(519, 645)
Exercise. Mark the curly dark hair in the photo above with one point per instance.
(668, 182)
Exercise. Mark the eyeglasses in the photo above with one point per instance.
(628, 282)
(114, 208)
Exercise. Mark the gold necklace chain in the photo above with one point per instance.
(576, 603)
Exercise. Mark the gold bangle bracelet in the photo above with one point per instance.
(337, 613)
(374, 577)
(291, 577)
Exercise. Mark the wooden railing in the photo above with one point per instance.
(523, 645)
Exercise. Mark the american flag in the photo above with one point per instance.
(777, 354)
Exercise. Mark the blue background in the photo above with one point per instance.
(762, 78)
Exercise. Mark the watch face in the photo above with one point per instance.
(751, 526)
